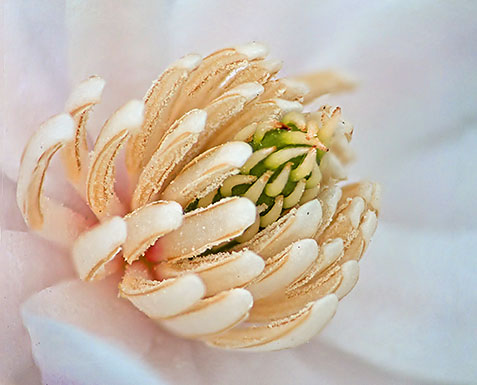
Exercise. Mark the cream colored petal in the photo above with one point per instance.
(41, 214)
(358, 245)
(207, 81)
(101, 176)
(296, 296)
(285, 89)
(257, 71)
(369, 191)
(75, 154)
(159, 102)
(174, 146)
(282, 334)
(129, 117)
(299, 223)
(325, 82)
(219, 272)
(346, 222)
(212, 315)
(310, 194)
(332, 169)
(159, 299)
(329, 253)
(341, 147)
(45, 142)
(350, 272)
(319, 280)
(61, 225)
(96, 247)
(255, 112)
(284, 268)
(207, 172)
(222, 110)
(207, 227)
(147, 224)
(329, 199)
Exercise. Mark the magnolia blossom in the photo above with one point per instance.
(411, 318)
(253, 243)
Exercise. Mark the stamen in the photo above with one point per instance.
(276, 187)
(254, 192)
(279, 157)
(274, 212)
(235, 180)
(315, 177)
(295, 118)
(305, 167)
(293, 199)
(256, 158)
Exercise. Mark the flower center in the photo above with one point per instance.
(283, 170)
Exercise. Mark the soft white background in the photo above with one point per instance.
(412, 317)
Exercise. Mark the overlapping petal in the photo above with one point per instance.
(235, 232)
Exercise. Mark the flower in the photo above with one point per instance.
(236, 232)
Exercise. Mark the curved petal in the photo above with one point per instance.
(219, 272)
(44, 215)
(147, 224)
(212, 315)
(350, 273)
(207, 172)
(159, 299)
(282, 334)
(159, 102)
(284, 268)
(174, 146)
(298, 224)
(75, 154)
(100, 193)
(94, 249)
(207, 227)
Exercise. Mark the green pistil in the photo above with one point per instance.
(291, 147)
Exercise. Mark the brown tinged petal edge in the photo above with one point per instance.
(148, 223)
(159, 102)
(299, 223)
(212, 315)
(219, 272)
(207, 172)
(96, 247)
(101, 176)
(201, 230)
(281, 334)
(160, 299)
(284, 268)
(42, 214)
(75, 154)
(324, 82)
(173, 147)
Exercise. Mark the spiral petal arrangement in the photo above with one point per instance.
(235, 232)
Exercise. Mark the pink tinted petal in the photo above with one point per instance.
(28, 264)
(182, 361)
(95, 308)
(67, 354)
(413, 310)
(10, 217)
